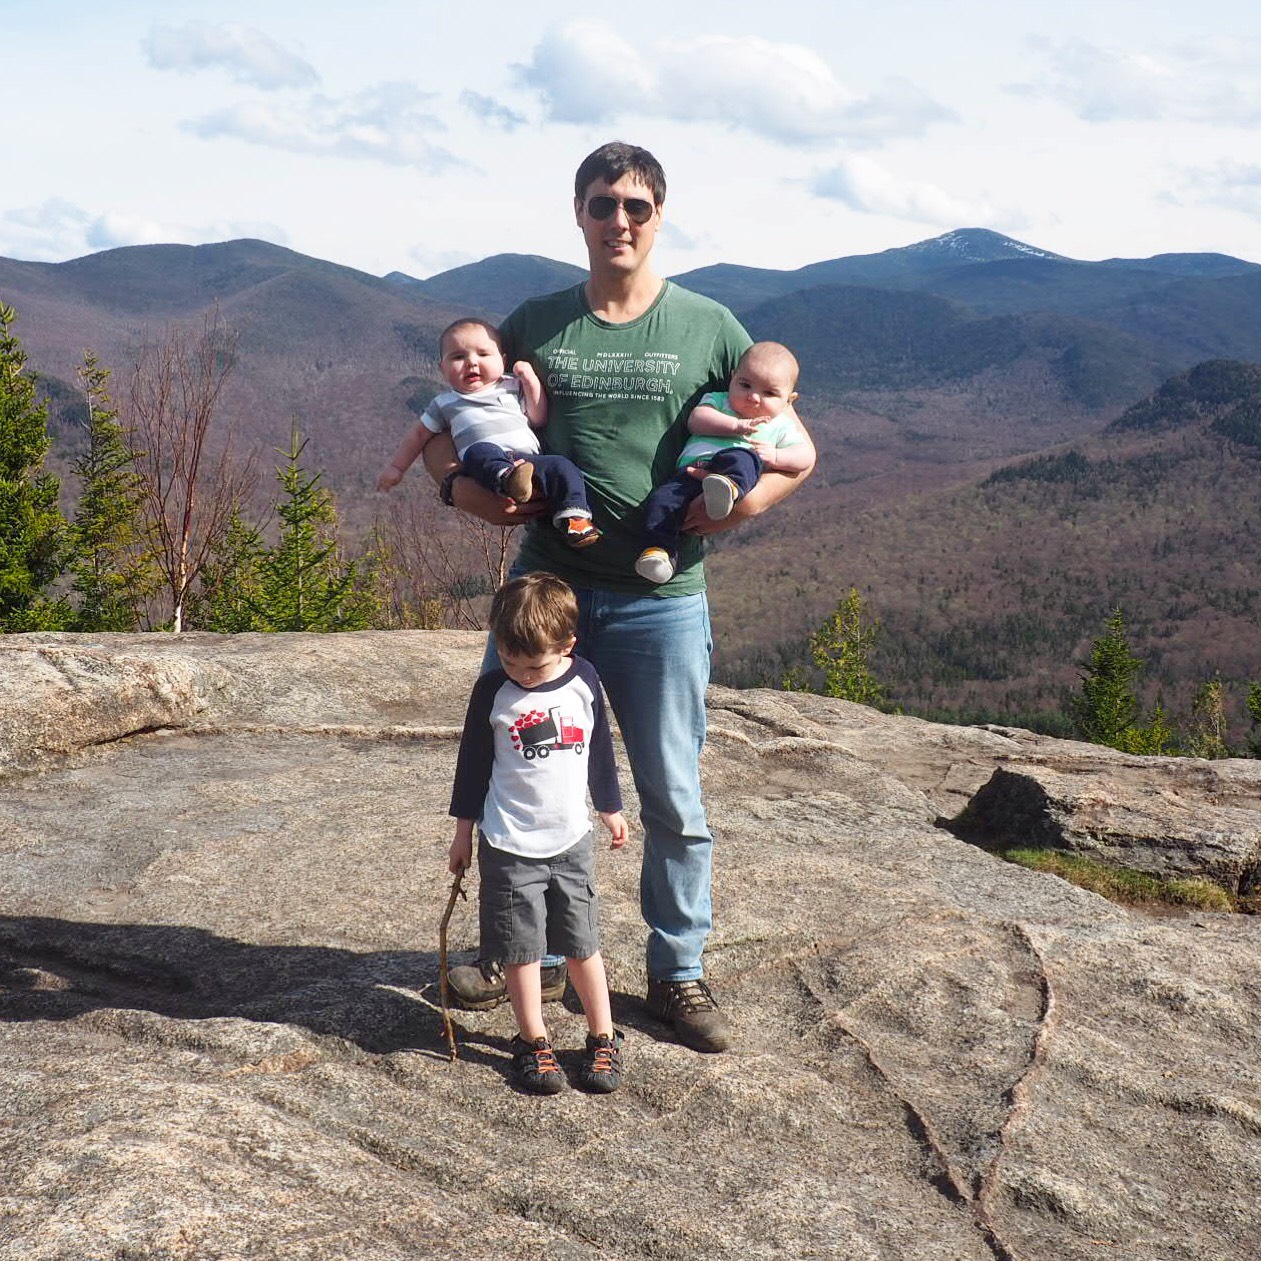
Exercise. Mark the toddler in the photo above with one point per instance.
(536, 737)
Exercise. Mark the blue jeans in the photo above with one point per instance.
(652, 655)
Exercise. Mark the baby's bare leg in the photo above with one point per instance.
(592, 987)
(526, 994)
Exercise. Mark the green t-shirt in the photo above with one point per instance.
(618, 400)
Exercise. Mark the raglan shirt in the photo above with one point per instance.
(528, 756)
(493, 415)
(776, 431)
(618, 400)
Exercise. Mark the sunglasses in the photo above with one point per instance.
(637, 209)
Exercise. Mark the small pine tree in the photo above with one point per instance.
(113, 564)
(228, 596)
(1107, 709)
(300, 584)
(1155, 738)
(33, 533)
(842, 649)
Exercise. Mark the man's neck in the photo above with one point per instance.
(620, 299)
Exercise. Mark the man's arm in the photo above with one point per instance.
(770, 490)
(797, 458)
(467, 495)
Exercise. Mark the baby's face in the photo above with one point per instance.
(760, 390)
(470, 360)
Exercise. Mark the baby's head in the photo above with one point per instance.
(764, 382)
(533, 621)
(470, 355)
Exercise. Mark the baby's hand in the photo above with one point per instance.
(615, 821)
(389, 478)
(748, 426)
(764, 452)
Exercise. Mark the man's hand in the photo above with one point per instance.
(493, 508)
(390, 477)
(615, 821)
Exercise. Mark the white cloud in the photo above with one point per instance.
(247, 55)
(1230, 185)
(864, 185)
(1207, 81)
(586, 72)
(491, 111)
(385, 124)
(58, 229)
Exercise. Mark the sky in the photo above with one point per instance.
(418, 137)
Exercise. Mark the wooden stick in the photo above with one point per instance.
(444, 987)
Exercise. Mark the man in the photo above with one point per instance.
(624, 357)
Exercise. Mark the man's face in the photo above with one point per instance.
(617, 244)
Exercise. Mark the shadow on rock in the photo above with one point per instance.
(53, 969)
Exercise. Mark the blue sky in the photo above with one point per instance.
(420, 136)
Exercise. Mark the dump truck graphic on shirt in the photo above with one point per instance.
(536, 734)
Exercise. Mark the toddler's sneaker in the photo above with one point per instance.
(518, 482)
(720, 495)
(579, 532)
(535, 1066)
(601, 1071)
(654, 563)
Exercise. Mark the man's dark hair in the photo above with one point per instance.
(613, 160)
(469, 321)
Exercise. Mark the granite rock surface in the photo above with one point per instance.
(222, 865)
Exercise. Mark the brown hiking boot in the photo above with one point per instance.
(481, 986)
(690, 1008)
(518, 482)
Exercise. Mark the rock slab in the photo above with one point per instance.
(221, 871)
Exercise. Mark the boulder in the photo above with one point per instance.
(222, 866)
(1163, 816)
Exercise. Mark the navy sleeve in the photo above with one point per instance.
(606, 796)
(477, 750)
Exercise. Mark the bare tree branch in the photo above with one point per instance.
(193, 477)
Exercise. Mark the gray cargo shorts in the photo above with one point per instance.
(530, 907)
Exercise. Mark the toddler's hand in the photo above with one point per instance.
(389, 478)
(748, 426)
(615, 821)
(460, 855)
(764, 452)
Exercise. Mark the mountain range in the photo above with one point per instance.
(925, 371)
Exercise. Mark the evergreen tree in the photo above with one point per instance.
(113, 565)
(1155, 738)
(227, 601)
(33, 542)
(300, 584)
(1107, 710)
(842, 649)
